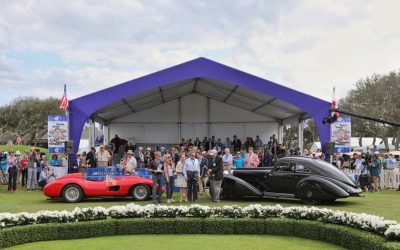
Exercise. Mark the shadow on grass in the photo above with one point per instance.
(205, 200)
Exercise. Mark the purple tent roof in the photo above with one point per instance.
(82, 108)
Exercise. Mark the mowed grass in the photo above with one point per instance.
(22, 148)
(384, 203)
(177, 242)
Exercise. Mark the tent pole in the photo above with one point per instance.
(91, 133)
(208, 118)
(180, 118)
(301, 136)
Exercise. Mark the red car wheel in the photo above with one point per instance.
(140, 192)
(72, 193)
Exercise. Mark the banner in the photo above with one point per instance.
(341, 134)
(57, 133)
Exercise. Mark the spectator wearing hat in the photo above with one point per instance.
(215, 171)
(103, 157)
(12, 171)
(130, 163)
(251, 160)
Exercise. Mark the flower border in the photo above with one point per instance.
(376, 224)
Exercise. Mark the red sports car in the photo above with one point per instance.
(74, 187)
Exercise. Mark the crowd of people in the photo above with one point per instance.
(117, 151)
(371, 165)
(30, 169)
(189, 165)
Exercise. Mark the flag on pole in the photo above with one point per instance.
(64, 100)
(334, 103)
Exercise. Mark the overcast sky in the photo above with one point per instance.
(306, 45)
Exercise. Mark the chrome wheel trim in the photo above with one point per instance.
(72, 193)
(140, 192)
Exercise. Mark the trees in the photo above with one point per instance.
(27, 117)
(375, 96)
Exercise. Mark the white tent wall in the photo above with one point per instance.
(159, 124)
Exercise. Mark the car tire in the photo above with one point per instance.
(72, 193)
(224, 194)
(140, 192)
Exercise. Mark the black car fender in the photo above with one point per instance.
(238, 187)
(319, 188)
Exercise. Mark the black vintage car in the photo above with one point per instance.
(309, 179)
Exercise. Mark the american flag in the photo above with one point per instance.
(334, 103)
(64, 100)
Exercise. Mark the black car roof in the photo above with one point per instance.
(318, 166)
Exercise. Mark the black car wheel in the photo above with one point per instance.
(224, 194)
(140, 192)
(308, 200)
(72, 193)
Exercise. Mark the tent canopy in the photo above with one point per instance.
(203, 77)
(269, 107)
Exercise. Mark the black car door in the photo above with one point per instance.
(282, 179)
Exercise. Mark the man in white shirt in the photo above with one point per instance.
(131, 163)
(227, 160)
(102, 157)
(360, 165)
(390, 180)
(191, 171)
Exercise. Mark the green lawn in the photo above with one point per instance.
(384, 203)
(176, 242)
(22, 148)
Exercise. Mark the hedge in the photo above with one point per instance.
(339, 235)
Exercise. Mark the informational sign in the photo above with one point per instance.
(57, 133)
(341, 134)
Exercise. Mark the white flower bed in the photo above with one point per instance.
(372, 223)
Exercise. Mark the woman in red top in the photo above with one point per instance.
(24, 169)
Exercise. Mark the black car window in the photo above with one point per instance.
(301, 168)
(284, 167)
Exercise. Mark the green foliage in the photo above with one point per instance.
(173, 242)
(375, 96)
(22, 148)
(338, 235)
(26, 117)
